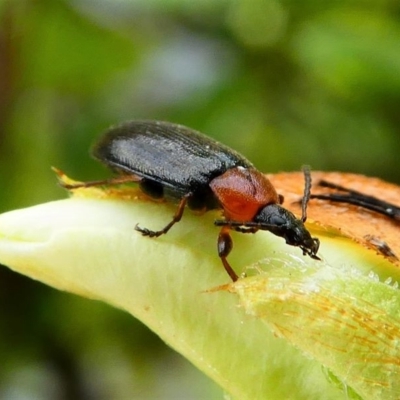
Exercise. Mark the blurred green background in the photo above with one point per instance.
(284, 82)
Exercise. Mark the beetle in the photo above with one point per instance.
(177, 163)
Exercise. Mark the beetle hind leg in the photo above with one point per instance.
(176, 218)
(118, 180)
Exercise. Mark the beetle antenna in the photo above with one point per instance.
(307, 192)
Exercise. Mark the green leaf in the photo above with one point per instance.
(295, 328)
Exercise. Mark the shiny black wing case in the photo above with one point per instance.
(173, 155)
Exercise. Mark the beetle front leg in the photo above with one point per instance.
(245, 230)
(225, 246)
(176, 218)
(238, 226)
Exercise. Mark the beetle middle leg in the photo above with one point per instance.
(176, 218)
(225, 246)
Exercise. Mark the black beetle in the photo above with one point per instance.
(175, 162)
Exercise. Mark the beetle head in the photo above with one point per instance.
(283, 223)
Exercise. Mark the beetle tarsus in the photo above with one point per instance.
(176, 218)
(148, 232)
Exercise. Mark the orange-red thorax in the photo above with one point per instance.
(242, 192)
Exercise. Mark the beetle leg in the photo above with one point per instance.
(176, 218)
(225, 245)
(112, 181)
(238, 226)
(240, 229)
